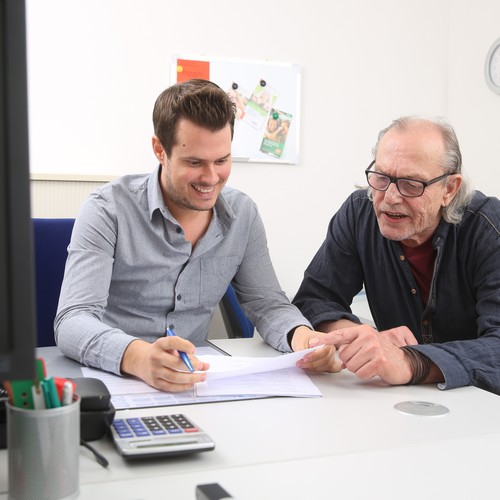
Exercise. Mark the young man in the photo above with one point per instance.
(158, 251)
(426, 248)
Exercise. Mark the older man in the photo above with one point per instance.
(426, 248)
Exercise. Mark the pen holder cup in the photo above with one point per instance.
(44, 449)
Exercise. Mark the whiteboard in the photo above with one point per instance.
(267, 98)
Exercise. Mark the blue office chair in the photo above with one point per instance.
(51, 239)
(235, 320)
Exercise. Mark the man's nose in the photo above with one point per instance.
(392, 192)
(210, 173)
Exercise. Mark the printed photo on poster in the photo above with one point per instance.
(260, 104)
(240, 97)
(277, 128)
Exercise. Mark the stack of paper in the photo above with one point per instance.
(228, 378)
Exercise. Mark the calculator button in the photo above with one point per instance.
(122, 428)
(153, 426)
(169, 425)
(137, 427)
(184, 423)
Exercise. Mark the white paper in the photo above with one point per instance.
(229, 377)
(285, 382)
(272, 376)
(234, 366)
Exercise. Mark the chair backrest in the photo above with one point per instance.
(51, 239)
(235, 320)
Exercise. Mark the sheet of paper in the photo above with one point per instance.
(229, 378)
(236, 366)
(284, 382)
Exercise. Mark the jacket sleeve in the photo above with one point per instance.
(334, 276)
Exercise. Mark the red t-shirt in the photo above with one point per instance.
(421, 261)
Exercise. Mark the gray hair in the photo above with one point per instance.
(452, 162)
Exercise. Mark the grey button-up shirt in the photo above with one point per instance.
(131, 273)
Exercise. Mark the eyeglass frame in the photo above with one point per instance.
(395, 180)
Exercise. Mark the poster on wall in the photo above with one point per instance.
(267, 100)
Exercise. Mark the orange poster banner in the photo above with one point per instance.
(187, 69)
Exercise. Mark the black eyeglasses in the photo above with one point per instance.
(411, 188)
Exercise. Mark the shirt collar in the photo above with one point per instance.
(441, 232)
(155, 198)
(224, 211)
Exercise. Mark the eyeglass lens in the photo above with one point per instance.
(406, 187)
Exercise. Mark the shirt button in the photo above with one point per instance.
(401, 257)
(179, 230)
(171, 326)
(413, 291)
(179, 297)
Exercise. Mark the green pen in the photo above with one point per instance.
(50, 392)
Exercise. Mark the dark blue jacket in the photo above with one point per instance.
(459, 329)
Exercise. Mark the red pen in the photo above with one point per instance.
(60, 382)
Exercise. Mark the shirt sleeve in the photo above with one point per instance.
(79, 331)
(260, 293)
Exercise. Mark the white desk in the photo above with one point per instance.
(351, 443)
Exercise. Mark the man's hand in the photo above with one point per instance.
(160, 365)
(321, 360)
(400, 336)
(368, 353)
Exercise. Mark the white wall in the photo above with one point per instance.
(472, 108)
(96, 67)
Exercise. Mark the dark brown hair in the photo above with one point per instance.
(199, 101)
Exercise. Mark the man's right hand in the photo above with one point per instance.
(159, 364)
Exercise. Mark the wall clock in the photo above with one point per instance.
(492, 67)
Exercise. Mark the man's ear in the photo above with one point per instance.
(158, 149)
(452, 187)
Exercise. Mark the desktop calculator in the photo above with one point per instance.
(157, 436)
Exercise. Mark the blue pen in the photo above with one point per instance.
(182, 354)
